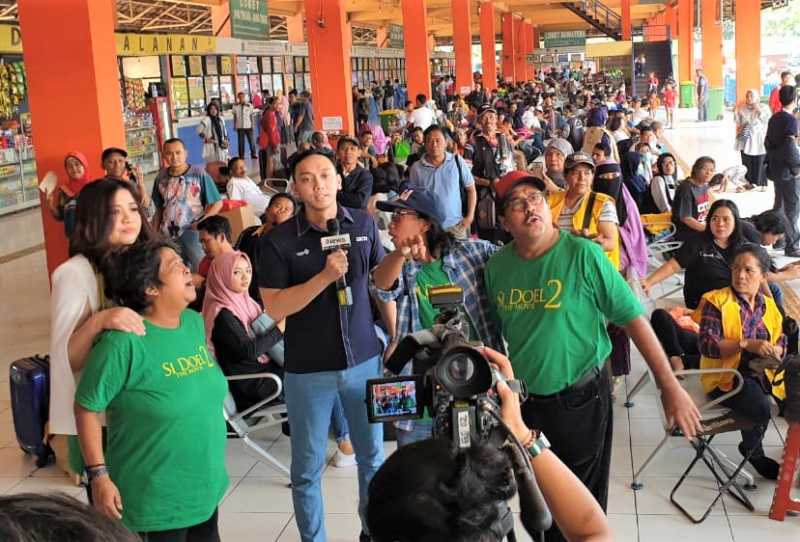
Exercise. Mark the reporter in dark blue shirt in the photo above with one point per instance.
(331, 350)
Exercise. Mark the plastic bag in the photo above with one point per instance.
(635, 283)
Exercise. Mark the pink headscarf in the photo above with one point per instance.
(220, 295)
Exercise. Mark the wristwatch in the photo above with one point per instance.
(539, 445)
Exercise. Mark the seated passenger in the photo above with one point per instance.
(738, 324)
(692, 201)
(229, 313)
(662, 188)
(242, 187)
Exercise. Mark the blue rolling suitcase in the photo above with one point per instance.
(30, 402)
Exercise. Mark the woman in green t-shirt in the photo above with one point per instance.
(163, 470)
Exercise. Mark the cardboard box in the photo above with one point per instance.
(240, 218)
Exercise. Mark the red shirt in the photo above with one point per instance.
(775, 99)
(670, 97)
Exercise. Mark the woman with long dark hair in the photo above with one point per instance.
(214, 135)
(108, 216)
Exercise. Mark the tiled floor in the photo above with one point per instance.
(258, 504)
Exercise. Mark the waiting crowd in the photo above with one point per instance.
(539, 200)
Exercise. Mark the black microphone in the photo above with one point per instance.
(333, 242)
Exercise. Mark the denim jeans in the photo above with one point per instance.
(191, 249)
(420, 430)
(310, 400)
(338, 422)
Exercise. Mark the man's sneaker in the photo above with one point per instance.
(765, 466)
(341, 460)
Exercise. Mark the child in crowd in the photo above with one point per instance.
(670, 101)
(653, 103)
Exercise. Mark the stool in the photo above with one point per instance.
(782, 502)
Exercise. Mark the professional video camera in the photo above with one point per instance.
(453, 380)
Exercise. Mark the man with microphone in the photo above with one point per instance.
(313, 270)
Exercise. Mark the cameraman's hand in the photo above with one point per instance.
(510, 410)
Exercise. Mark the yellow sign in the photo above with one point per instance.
(160, 44)
(10, 39)
(614, 48)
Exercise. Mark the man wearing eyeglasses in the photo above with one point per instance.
(553, 294)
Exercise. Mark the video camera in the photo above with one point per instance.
(451, 378)
(457, 384)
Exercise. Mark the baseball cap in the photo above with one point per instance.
(513, 178)
(422, 201)
(347, 139)
(561, 145)
(113, 150)
(486, 108)
(578, 158)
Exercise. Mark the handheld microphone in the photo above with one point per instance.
(331, 243)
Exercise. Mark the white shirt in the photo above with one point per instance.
(422, 117)
(244, 188)
(529, 120)
(73, 299)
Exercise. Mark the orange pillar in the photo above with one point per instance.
(508, 48)
(712, 42)
(80, 71)
(748, 48)
(220, 20)
(294, 27)
(528, 32)
(671, 21)
(686, 44)
(488, 57)
(519, 50)
(462, 45)
(329, 58)
(415, 38)
(625, 6)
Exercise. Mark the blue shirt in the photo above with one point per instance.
(324, 336)
(443, 180)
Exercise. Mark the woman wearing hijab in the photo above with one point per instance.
(229, 313)
(214, 134)
(64, 198)
(751, 125)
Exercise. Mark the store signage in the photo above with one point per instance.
(332, 124)
(565, 39)
(264, 48)
(249, 19)
(10, 39)
(160, 44)
(396, 36)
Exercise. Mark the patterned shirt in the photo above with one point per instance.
(464, 263)
(182, 200)
(753, 327)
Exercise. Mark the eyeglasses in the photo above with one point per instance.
(531, 200)
(397, 216)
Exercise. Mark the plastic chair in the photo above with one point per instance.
(256, 418)
(716, 419)
(273, 185)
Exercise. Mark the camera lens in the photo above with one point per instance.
(461, 368)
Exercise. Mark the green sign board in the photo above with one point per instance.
(396, 36)
(249, 19)
(576, 38)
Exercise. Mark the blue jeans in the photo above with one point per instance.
(338, 422)
(310, 400)
(420, 430)
(191, 249)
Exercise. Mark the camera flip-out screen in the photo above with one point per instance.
(390, 399)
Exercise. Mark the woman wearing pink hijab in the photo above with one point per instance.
(229, 313)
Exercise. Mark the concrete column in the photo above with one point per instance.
(462, 45)
(509, 38)
(488, 31)
(748, 48)
(415, 37)
(82, 71)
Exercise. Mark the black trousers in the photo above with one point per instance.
(675, 340)
(756, 169)
(579, 425)
(787, 200)
(208, 531)
(246, 134)
(752, 403)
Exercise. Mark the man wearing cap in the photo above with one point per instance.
(492, 156)
(553, 294)
(426, 256)
(331, 346)
(116, 165)
(448, 176)
(356, 180)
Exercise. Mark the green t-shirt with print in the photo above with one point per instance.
(554, 310)
(162, 394)
(432, 275)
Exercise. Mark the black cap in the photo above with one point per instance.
(113, 150)
(347, 139)
(486, 108)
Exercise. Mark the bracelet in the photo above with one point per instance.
(96, 472)
(89, 467)
(529, 439)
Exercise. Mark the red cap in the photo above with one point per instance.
(512, 179)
